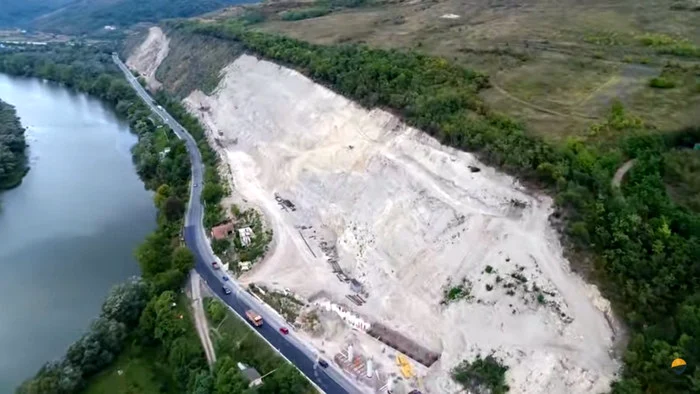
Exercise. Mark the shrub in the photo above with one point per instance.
(305, 13)
(661, 83)
(482, 375)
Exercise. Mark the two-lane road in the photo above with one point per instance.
(330, 379)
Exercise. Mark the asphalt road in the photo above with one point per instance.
(330, 379)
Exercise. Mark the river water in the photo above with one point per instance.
(68, 232)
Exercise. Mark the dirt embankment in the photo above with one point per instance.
(148, 56)
(407, 217)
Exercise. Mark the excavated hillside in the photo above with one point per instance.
(407, 218)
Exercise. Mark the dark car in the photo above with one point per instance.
(227, 291)
(215, 265)
(284, 330)
(225, 278)
(323, 363)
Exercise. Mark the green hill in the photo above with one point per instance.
(19, 12)
(83, 16)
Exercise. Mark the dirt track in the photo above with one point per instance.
(201, 322)
(620, 173)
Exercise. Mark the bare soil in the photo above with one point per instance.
(407, 218)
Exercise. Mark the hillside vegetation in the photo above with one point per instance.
(643, 246)
(13, 159)
(557, 66)
(18, 12)
(84, 16)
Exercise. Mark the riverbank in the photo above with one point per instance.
(162, 163)
(144, 323)
(69, 229)
(13, 157)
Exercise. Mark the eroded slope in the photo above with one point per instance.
(407, 218)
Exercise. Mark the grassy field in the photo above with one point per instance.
(555, 65)
(141, 370)
(135, 372)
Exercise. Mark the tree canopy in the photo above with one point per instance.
(13, 159)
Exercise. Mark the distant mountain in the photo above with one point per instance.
(82, 16)
(14, 13)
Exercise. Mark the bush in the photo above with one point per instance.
(661, 83)
(305, 13)
(482, 375)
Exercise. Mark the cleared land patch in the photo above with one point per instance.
(403, 215)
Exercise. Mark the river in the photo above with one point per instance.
(68, 232)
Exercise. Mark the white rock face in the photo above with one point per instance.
(149, 55)
(406, 217)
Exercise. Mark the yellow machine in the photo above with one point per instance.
(404, 366)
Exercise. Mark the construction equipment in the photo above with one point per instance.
(254, 318)
(404, 366)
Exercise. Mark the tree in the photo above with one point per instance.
(168, 325)
(98, 347)
(184, 356)
(147, 322)
(126, 301)
(482, 375)
(216, 311)
(228, 377)
(118, 90)
(285, 380)
(173, 209)
(154, 254)
(203, 383)
(220, 246)
(170, 280)
(183, 259)
(212, 193)
(161, 195)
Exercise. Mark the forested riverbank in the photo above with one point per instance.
(643, 247)
(123, 324)
(13, 157)
(138, 324)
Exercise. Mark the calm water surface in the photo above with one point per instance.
(68, 232)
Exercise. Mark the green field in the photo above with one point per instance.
(135, 372)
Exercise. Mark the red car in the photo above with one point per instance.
(215, 265)
(284, 330)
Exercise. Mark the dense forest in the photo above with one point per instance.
(138, 316)
(645, 248)
(19, 12)
(13, 159)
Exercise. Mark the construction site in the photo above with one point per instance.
(416, 255)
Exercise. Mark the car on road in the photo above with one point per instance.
(225, 278)
(195, 185)
(226, 290)
(215, 265)
(284, 330)
(323, 363)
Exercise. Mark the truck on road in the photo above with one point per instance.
(254, 318)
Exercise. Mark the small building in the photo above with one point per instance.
(222, 231)
(164, 153)
(251, 375)
(110, 28)
(355, 285)
(244, 265)
(246, 234)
